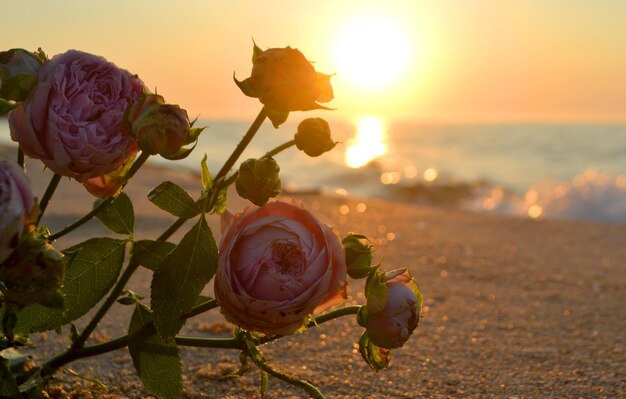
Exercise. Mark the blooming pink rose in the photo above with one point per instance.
(277, 264)
(392, 327)
(16, 203)
(72, 120)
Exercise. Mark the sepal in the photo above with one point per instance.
(375, 357)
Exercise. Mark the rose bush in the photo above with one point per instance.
(277, 264)
(393, 325)
(72, 120)
(16, 203)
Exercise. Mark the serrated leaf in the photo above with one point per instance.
(156, 360)
(377, 358)
(173, 199)
(181, 277)
(150, 253)
(92, 270)
(119, 215)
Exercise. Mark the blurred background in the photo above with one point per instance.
(516, 107)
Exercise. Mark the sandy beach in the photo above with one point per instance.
(514, 308)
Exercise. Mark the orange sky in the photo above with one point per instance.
(481, 60)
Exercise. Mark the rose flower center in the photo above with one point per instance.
(287, 258)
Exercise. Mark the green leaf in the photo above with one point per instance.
(8, 385)
(179, 280)
(6, 106)
(156, 360)
(150, 254)
(173, 199)
(93, 268)
(377, 358)
(119, 215)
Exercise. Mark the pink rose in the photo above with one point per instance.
(72, 120)
(277, 264)
(16, 203)
(392, 327)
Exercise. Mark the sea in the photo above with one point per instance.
(533, 170)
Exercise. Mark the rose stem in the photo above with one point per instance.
(247, 138)
(118, 343)
(87, 217)
(310, 389)
(225, 343)
(130, 269)
(280, 148)
(45, 200)
(20, 157)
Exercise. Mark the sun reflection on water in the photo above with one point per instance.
(370, 142)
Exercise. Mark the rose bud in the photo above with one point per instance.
(72, 120)
(358, 255)
(160, 128)
(33, 273)
(313, 137)
(258, 180)
(16, 203)
(391, 326)
(278, 264)
(18, 73)
(284, 81)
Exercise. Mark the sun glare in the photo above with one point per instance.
(372, 52)
(369, 143)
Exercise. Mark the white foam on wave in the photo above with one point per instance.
(591, 195)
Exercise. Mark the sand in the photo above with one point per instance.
(514, 308)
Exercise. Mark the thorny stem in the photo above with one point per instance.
(247, 138)
(88, 216)
(79, 343)
(280, 148)
(118, 343)
(224, 343)
(45, 199)
(309, 388)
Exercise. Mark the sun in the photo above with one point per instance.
(372, 52)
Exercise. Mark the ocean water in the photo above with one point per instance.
(533, 170)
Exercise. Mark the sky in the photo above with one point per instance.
(445, 60)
